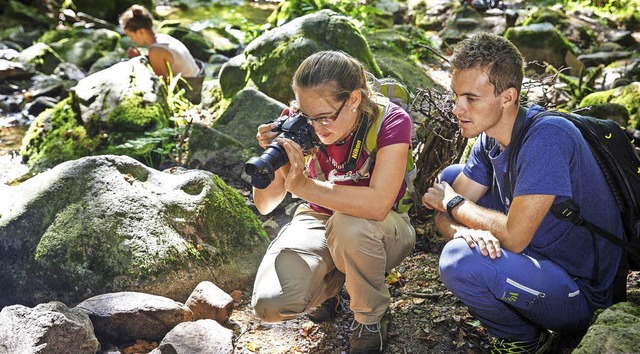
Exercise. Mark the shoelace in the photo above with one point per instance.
(355, 325)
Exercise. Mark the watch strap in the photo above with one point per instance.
(454, 202)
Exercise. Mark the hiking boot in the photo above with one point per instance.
(327, 311)
(369, 339)
(534, 346)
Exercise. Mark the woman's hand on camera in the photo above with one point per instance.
(295, 177)
(266, 134)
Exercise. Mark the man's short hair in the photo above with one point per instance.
(501, 59)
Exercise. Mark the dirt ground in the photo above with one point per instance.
(426, 317)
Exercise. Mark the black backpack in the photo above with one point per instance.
(619, 161)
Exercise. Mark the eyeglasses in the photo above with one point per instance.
(321, 120)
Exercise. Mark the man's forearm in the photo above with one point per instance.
(469, 215)
(445, 226)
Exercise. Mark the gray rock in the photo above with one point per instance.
(541, 42)
(210, 302)
(108, 223)
(41, 56)
(605, 58)
(200, 337)
(10, 70)
(50, 328)
(247, 111)
(127, 316)
(105, 91)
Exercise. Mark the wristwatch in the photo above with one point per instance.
(454, 202)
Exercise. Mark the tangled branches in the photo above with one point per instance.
(439, 140)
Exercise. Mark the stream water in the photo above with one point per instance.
(11, 165)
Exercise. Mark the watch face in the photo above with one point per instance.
(455, 201)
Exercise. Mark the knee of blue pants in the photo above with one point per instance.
(457, 263)
(450, 173)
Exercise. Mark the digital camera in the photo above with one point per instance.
(295, 127)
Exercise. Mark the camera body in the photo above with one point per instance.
(295, 127)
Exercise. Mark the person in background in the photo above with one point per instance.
(520, 270)
(166, 54)
(349, 232)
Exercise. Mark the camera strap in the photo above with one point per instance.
(357, 144)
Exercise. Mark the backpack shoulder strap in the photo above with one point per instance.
(371, 140)
(517, 136)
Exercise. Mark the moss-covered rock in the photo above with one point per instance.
(42, 57)
(615, 330)
(104, 112)
(626, 96)
(56, 135)
(541, 42)
(399, 52)
(199, 46)
(81, 46)
(272, 58)
(612, 111)
(225, 149)
(108, 223)
(543, 14)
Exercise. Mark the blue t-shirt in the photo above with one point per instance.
(556, 160)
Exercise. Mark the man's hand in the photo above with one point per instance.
(438, 196)
(487, 243)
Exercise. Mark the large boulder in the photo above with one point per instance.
(81, 46)
(392, 49)
(199, 337)
(127, 316)
(543, 43)
(41, 56)
(108, 223)
(103, 113)
(271, 59)
(225, 148)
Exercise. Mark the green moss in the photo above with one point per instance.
(543, 14)
(136, 115)
(56, 136)
(227, 214)
(398, 52)
(627, 96)
(615, 330)
(79, 244)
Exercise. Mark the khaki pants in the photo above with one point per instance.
(307, 263)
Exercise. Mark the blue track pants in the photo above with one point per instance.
(515, 295)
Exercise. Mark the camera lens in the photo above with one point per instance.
(262, 169)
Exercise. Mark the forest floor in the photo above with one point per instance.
(426, 317)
